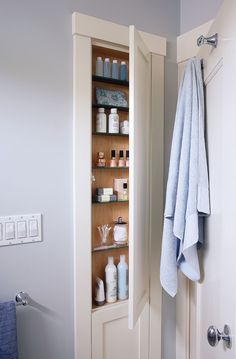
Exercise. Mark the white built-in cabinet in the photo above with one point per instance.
(128, 329)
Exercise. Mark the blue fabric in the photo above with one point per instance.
(187, 196)
(8, 335)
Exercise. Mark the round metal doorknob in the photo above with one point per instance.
(214, 336)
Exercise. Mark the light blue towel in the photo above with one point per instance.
(187, 196)
(8, 337)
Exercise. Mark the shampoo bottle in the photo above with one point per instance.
(123, 279)
(111, 281)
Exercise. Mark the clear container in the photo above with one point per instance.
(120, 232)
(113, 121)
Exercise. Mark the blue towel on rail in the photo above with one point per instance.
(187, 196)
(8, 335)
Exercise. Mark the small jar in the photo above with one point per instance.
(113, 162)
(113, 121)
(123, 71)
(127, 159)
(99, 66)
(101, 121)
(107, 68)
(120, 232)
(114, 70)
(121, 162)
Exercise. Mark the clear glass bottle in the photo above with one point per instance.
(113, 162)
(121, 162)
(127, 158)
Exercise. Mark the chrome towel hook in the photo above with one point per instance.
(212, 40)
(22, 298)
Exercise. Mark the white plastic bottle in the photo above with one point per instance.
(113, 121)
(123, 279)
(111, 281)
(101, 121)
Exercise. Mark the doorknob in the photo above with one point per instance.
(214, 336)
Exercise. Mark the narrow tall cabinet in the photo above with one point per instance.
(128, 328)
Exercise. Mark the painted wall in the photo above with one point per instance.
(195, 13)
(36, 155)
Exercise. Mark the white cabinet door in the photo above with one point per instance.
(139, 102)
(111, 338)
(214, 298)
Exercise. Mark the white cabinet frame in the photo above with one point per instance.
(86, 31)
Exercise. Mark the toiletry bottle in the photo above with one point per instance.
(111, 281)
(113, 162)
(123, 279)
(125, 192)
(99, 298)
(124, 127)
(114, 70)
(107, 67)
(99, 66)
(127, 158)
(121, 162)
(101, 121)
(113, 121)
(123, 71)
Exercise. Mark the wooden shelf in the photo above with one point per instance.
(110, 202)
(109, 248)
(108, 107)
(110, 134)
(106, 305)
(109, 80)
(110, 168)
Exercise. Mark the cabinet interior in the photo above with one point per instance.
(107, 213)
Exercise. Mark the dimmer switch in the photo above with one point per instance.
(20, 229)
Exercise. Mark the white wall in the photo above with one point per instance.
(195, 13)
(36, 155)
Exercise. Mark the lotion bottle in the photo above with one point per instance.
(111, 281)
(123, 278)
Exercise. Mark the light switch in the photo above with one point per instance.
(33, 228)
(21, 229)
(1, 234)
(9, 230)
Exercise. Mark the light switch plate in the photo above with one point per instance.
(20, 229)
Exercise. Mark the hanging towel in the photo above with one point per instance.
(8, 337)
(187, 195)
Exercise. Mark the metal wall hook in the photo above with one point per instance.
(212, 40)
(22, 298)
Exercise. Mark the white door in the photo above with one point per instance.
(214, 300)
(139, 176)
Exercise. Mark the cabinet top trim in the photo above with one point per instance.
(107, 31)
